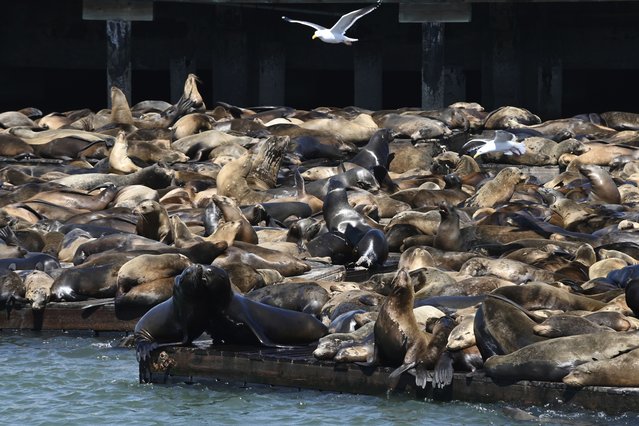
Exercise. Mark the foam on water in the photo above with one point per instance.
(73, 379)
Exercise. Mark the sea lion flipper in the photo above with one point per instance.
(422, 377)
(396, 374)
(443, 375)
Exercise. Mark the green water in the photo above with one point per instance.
(81, 379)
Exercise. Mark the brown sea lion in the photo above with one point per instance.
(498, 190)
(153, 221)
(553, 359)
(398, 339)
(606, 372)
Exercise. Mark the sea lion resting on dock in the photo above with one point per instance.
(203, 300)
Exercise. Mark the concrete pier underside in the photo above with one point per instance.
(554, 58)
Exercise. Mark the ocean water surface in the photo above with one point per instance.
(72, 378)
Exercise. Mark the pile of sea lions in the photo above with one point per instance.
(200, 220)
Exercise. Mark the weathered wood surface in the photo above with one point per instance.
(298, 368)
(66, 316)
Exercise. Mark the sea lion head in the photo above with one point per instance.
(402, 288)
(202, 284)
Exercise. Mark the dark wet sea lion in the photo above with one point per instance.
(502, 327)
(183, 317)
(375, 152)
(32, 260)
(85, 282)
(632, 296)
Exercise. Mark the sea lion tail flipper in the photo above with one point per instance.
(393, 378)
(443, 370)
(422, 377)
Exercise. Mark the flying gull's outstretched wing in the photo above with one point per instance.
(346, 21)
(308, 24)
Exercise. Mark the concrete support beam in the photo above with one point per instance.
(230, 57)
(501, 83)
(434, 12)
(272, 71)
(454, 85)
(432, 65)
(549, 89)
(125, 10)
(368, 73)
(118, 57)
(179, 69)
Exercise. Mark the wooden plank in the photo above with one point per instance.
(67, 316)
(297, 368)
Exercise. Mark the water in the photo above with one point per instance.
(82, 379)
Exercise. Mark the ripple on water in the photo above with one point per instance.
(89, 380)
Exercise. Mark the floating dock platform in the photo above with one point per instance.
(297, 367)
(82, 316)
(67, 316)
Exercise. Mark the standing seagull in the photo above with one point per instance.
(335, 34)
(503, 141)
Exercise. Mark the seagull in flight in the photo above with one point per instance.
(503, 141)
(335, 34)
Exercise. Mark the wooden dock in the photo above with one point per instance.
(71, 316)
(66, 316)
(298, 368)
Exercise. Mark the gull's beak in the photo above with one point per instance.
(476, 155)
(314, 36)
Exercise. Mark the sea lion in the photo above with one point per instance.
(308, 297)
(145, 281)
(328, 346)
(370, 244)
(181, 318)
(607, 372)
(38, 289)
(398, 339)
(153, 221)
(545, 296)
(154, 177)
(497, 191)
(375, 152)
(553, 359)
(632, 296)
(604, 189)
(511, 270)
(568, 325)
(87, 281)
(232, 182)
(448, 236)
(12, 291)
(32, 260)
(119, 160)
(262, 258)
(501, 327)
